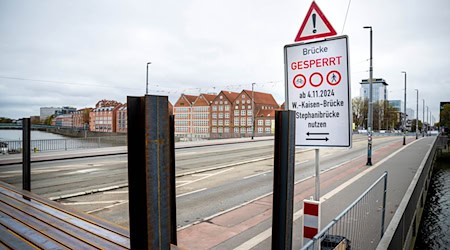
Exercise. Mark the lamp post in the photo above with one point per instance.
(370, 115)
(404, 118)
(146, 80)
(423, 118)
(253, 110)
(417, 115)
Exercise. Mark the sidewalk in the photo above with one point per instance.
(233, 229)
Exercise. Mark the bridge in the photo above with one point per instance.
(246, 223)
(19, 126)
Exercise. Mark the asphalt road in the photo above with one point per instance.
(210, 180)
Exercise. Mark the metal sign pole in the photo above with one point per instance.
(317, 195)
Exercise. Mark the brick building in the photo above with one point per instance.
(81, 118)
(103, 117)
(183, 116)
(121, 119)
(64, 121)
(265, 122)
(201, 116)
(222, 114)
(244, 110)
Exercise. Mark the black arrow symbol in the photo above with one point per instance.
(317, 139)
(317, 133)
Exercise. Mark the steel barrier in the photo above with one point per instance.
(349, 229)
(67, 144)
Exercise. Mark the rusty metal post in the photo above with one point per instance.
(149, 172)
(283, 180)
(173, 194)
(26, 154)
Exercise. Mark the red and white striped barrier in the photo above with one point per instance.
(311, 219)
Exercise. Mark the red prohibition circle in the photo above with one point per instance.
(339, 78)
(321, 79)
(302, 81)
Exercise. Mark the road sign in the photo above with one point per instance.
(315, 25)
(318, 89)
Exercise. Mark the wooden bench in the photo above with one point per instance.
(28, 221)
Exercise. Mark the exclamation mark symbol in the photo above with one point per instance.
(314, 22)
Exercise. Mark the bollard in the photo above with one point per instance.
(283, 180)
(149, 170)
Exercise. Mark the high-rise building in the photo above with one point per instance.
(379, 89)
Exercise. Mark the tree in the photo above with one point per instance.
(445, 116)
(359, 110)
(5, 120)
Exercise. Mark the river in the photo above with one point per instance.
(434, 230)
(16, 135)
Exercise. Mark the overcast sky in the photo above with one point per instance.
(74, 53)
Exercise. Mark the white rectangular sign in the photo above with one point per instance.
(318, 90)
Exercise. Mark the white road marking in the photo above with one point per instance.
(254, 175)
(116, 192)
(193, 192)
(83, 171)
(110, 206)
(199, 179)
(268, 232)
(92, 202)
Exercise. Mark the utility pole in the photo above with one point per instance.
(146, 80)
(417, 115)
(370, 115)
(423, 118)
(253, 110)
(404, 119)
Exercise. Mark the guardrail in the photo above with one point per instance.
(65, 144)
(349, 230)
(404, 225)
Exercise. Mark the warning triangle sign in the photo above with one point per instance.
(315, 25)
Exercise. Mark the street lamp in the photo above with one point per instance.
(404, 119)
(370, 115)
(146, 81)
(423, 118)
(417, 114)
(253, 110)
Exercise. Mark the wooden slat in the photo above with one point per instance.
(33, 219)
(14, 241)
(28, 233)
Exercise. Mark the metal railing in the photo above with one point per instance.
(360, 225)
(405, 222)
(66, 144)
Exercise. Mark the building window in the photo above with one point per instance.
(236, 130)
(243, 96)
(249, 107)
(243, 122)
(226, 130)
(214, 108)
(260, 122)
(249, 121)
(260, 130)
(214, 130)
(236, 121)
(227, 115)
(267, 122)
(236, 112)
(220, 130)
(220, 115)
(268, 130)
(243, 112)
(214, 122)
(220, 122)
(227, 107)
(227, 122)
(248, 101)
(214, 115)
(250, 112)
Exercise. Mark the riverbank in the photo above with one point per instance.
(79, 133)
(435, 226)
